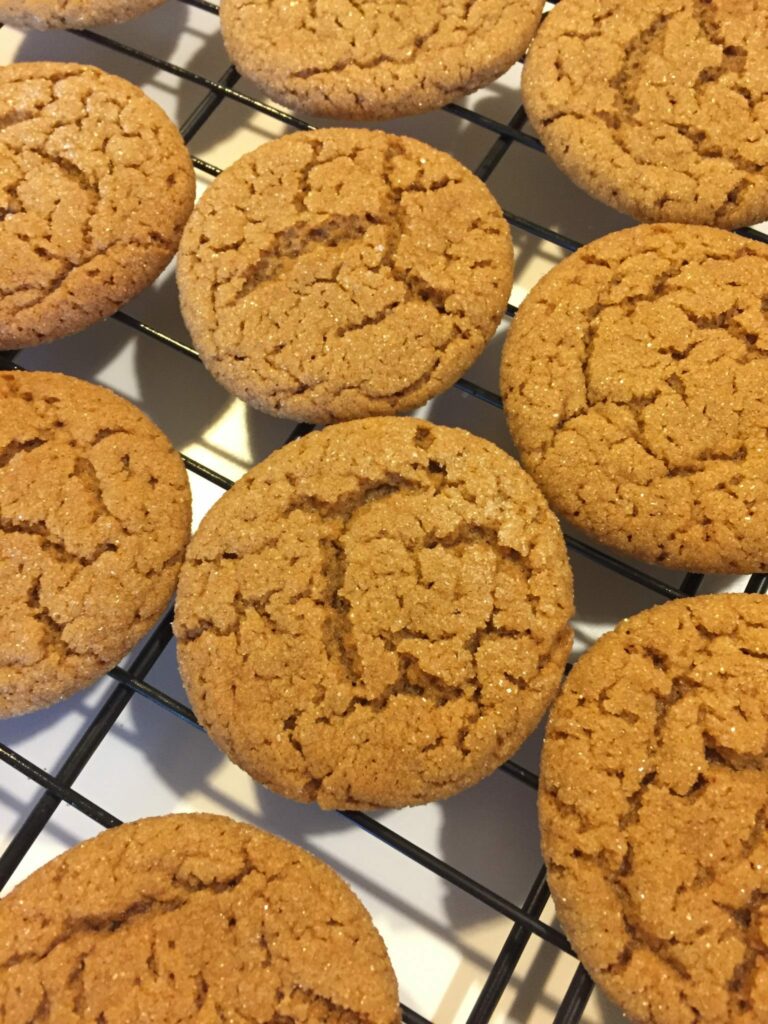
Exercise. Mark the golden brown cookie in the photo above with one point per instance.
(634, 380)
(343, 273)
(75, 14)
(94, 518)
(376, 615)
(657, 108)
(95, 187)
(653, 802)
(191, 917)
(375, 59)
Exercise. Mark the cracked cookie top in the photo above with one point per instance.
(376, 615)
(95, 187)
(634, 379)
(75, 14)
(343, 273)
(375, 59)
(191, 917)
(94, 518)
(653, 801)
(673, 128)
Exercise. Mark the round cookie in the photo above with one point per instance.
(673, 128)
(94, 519)
(191, 917)
(652, 802)
(343, 273)
(95, 186)
(74, 14)
(634, 379)
(374, 59)
(376, 615)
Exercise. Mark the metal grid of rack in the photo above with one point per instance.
(130, 682)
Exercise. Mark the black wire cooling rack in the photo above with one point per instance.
(131, 681)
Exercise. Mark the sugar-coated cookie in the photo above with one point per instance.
(657, 108)
(94, 518)
(190, 917)
(375, 59)
(343, 273)
(653, 800)
(72, 14)
(95, 186)
(634, 379)
(376, 615)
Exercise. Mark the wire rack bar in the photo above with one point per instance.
(510, 954)
(41, 813)
(203, 5)
(622, 568)
(571, 1009)
(165, 701)
(411, 1017)
(459, 879)
(47, 781)
(517, 771)
(192, 76)
(757, 584)
(85, 748)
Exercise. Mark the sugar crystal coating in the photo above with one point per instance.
(634, 380)
(191, 917)
(673, 125)
(376, 615)
(653, 800)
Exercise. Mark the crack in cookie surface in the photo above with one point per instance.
(191, 917)
(343, 273)
(94, 517)
(374, 58)
(95, 187)
(653, 811)
(384, 592)
(72, 14)
(672, 131)
(632, 380)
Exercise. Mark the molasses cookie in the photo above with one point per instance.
(190, 917)
(44, 14)
(95, 187)
(376, 615)
(634, 379)
(375, 59)
(343, 273)
(673, 127)
(653, 801)
(94, 518)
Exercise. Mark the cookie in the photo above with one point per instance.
(376, 615)
(634, 380)
(673, 126)
(374, 59)
(191, 917)
(653, 802)
(343, 273)
(94, 518)
(44, 14)
(95, 187)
